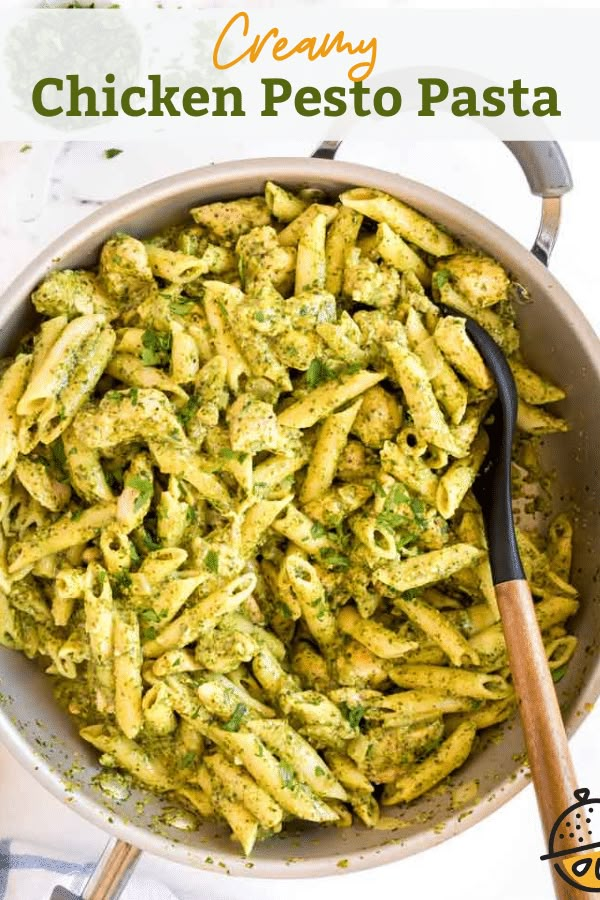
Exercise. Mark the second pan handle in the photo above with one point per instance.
(110, 876)
(547, 174)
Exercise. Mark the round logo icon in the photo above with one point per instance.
(573, 847)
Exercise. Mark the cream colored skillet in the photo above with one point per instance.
(560, 342)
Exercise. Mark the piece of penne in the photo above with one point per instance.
(242, 788)
(99, 626)
(200, 616)
(460, 682)
(439, 630)
(450, 755)
(459, 477)
(451, 337)
(427, 568)
(341, 236)
(284, 205)
(293, 749)
(375, 637)
(421, 400)
(309, 591)
(127, 671)
(401, 218)
(280, 782)
(325, 399)
(327, 450)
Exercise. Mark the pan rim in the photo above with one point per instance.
(468, 225)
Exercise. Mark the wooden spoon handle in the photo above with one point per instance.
(545, 738)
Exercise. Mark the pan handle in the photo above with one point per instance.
(547, 174)
(113, 871)
(110, 876)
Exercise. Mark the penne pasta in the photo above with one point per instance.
(237, 518)
(410, 224)
(449, 756)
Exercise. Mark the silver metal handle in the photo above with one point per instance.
(547, 174)
(107, 881)
(113, 871)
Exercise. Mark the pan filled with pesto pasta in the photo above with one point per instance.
(247, 619)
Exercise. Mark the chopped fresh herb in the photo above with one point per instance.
(188, 759)
(76, 515)
(211, 561)
(333, 558)
(237, 717)
(559, 674)
(181, 307)
(149, 615)
(149, 633)
(390, 518)
(187, 413)
(135, 556)
(403, 539)
(156, 344)
(191, 515)
(318, 373)
(440, 278)
(238, 455)
(122, 580)
(287, 775)
(58, 454)
(418, 510)
(284, 609)
(398, 494)
(354, 714)
(319, 771)
(317, 531)
(343, 535)
(134, 394)
(149, 543)
(260, 316)
(25, 148)
(115, 477)
(112, 152)
(143, 486)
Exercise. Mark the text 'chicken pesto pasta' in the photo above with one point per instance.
(236, 519)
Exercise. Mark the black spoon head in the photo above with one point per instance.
(493, 485)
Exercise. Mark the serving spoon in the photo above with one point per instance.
(545, 737)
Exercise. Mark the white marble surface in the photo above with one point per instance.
(48, 188)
